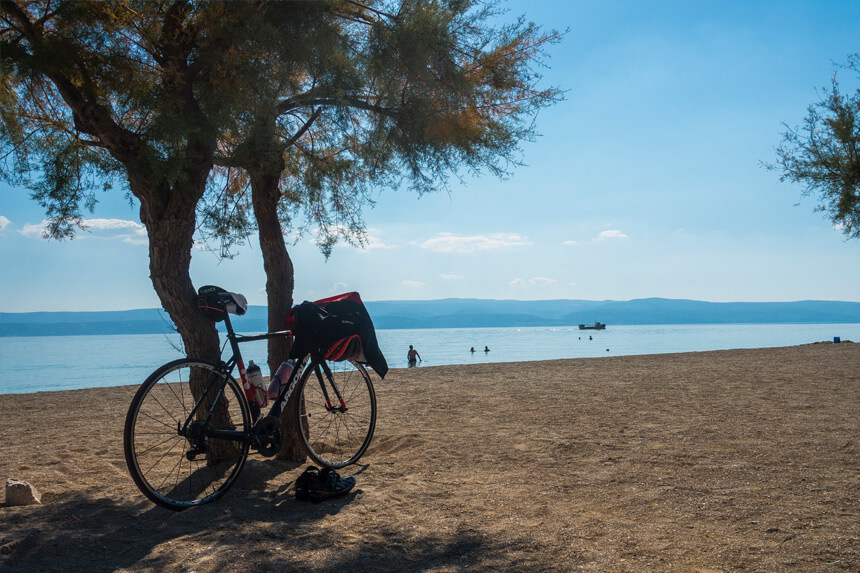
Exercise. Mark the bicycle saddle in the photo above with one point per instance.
(215, 302)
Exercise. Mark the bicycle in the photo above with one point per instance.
(191, 425)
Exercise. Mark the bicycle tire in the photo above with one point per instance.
(331, 437)
(179, 471)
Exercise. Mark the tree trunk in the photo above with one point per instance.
(170, 223)
(279, 290)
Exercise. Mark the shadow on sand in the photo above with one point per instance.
(248, 529)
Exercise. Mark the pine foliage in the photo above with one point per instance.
(823, 154)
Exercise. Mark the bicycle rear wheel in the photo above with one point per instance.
(169, 449)
(336, 434)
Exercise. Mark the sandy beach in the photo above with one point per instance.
(739, 460)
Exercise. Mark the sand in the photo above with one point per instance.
(740, 460)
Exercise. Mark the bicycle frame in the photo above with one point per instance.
(278, 404)
(236, 360)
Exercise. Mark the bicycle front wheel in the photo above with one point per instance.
(170, 449)
(337, 414)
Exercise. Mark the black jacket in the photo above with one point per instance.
(318, 325)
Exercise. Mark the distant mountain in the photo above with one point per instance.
(465, 313)
(472, 313)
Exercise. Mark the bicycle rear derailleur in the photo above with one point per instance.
(267, 436)
(196, 435)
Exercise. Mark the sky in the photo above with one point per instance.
(646, 181)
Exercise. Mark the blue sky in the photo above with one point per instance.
(645, 182)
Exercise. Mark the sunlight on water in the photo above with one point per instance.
(34, 364)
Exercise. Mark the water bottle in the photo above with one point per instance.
(280, 377)
(255, 378)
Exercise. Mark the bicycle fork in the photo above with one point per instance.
(328, 376)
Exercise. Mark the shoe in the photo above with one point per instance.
(303, 483)
(315, 485)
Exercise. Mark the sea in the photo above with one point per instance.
(52, 363)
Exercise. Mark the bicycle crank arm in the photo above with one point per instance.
(267, 436)
(232, 435)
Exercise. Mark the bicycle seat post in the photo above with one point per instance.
(229, 325)
(231, 336)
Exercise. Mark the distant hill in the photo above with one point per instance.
(466, 313)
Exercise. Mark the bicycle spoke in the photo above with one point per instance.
(158, 421)
(166, 411)
(181, 399)
(164, 441)
(159, 461)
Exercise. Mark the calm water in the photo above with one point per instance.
(34, 364)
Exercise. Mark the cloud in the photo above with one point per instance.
(370, 240)
(373, 242)
(603, 236)
(130, 232)
(339, 287)
(412, 284)
(451, 277)
(4, 222)
(612, 234)
(534, 281)
(449, 243)
(34, 230)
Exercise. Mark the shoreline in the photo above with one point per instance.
(572, 326)
(500, 363)
(730, 460)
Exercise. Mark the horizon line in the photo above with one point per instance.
(481, 300)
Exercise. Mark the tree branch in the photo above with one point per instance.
(304, 128)
(90, 117)
(321, 99)
(361, 6)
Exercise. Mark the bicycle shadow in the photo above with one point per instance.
(254, 523)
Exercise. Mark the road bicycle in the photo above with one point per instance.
(191, 424)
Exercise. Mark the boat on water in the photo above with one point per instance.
(594, 326)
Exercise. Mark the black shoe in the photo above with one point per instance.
(314, 485)
(303, 483)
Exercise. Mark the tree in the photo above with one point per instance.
(367, 97)
(136, 91)
(310, 106)
(824, 154)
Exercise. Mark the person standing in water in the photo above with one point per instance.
(413, 357)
